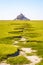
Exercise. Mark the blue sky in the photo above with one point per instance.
(32, 9)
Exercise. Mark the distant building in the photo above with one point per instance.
(21, 17)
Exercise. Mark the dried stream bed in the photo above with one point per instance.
(33, 58)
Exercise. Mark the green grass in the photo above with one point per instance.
(40, 63)
(6, 49)
(30, 54)
(18, 60)
(35, 46)
(29, 26)
(12, 30)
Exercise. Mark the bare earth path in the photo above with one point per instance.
(34, 59)
(4, 64)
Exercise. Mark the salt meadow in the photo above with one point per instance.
(23, 36)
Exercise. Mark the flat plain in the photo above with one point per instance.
(24, 34)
